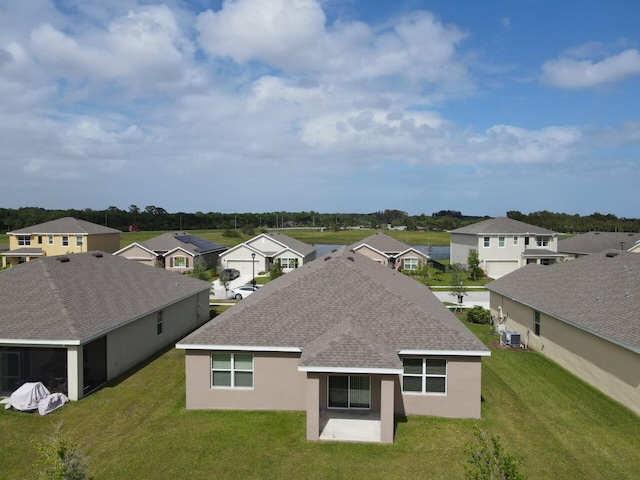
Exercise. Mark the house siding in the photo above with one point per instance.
(372, 254)
(461, 245)
(612, 369)
(139, 255)
(462, 399)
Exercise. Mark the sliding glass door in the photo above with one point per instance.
(349, 391)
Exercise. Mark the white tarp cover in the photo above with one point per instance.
(35, 396)
(51, 402)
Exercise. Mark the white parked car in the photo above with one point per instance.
(241, 292)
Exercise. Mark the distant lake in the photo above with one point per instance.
(438, 252)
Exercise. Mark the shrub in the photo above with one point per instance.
(231, 233)
(479, 315)
(487, 460)
(59, 458)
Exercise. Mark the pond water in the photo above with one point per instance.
(437, 252)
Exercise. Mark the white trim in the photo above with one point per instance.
(30, 343)
(352, 370)
(451, 353)
(238, 348)
(135, 244)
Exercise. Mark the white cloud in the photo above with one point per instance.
(575, 74)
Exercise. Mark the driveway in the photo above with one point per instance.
(471, 299)
(217, 290)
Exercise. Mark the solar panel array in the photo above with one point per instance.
(201, 245)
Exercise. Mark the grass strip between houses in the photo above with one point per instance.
(137, 427)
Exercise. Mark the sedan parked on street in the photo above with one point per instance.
(242, 292)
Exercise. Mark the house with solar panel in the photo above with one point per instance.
(174, 251)
(356, 345)
(58, 237)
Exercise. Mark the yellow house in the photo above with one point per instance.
(59, 237)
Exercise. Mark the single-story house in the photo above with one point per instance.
(582, 314)
(174, 251)
(595, 242)
(74, 322)
(391, 252)
(259, 254)
(504, 245)
(58, 237)
(343, 337)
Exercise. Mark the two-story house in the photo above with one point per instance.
(504, 245)
(59, 237)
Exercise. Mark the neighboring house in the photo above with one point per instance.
(504, 245)
(391, 252)
(259, 254)
(59, 237)
(582, 314)
(74, 322)
(340, 336)
(175, 251)
(595, 242)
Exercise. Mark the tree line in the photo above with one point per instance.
(153, 218)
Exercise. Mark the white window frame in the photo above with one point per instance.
(184, 261)
(50, 239)
(79, 241)
(424, 376)
(24, 240)
(486, 242)
(502, 242)
(410, 263)
(542, 240)
(515, 240)
(288, 263)
(232, 370)
(65, 240)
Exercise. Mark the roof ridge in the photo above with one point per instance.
(60, 300)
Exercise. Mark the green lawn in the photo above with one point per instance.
(138, 428)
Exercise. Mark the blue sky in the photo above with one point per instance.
(323, 105)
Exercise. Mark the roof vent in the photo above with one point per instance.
(97, 254)
(334, 250)
(327, 258)
(350, 258)
(63, 259)
(611, 254)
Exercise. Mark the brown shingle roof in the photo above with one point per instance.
(599, 293)
(383, 243)
(503, 225)
(48, 299)
(63, 225)
(337, 309)
(594, 242)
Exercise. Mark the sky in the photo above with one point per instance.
(321, 105)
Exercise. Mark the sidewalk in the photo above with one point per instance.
(471, 298)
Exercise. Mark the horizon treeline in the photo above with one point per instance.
(152, 218)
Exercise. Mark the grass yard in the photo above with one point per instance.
(138, 428)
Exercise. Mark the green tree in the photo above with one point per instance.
(200, 270)
(473, 261)
(458, 289)
(59, 458)
(276, 270)
(487, 460)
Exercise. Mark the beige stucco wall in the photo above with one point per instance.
(240, 258)
(372, 254)
(135, 342)
(462, 399)
(139, 254)
(106, 242)
(461, 244)
(278, 385)
(610, 368)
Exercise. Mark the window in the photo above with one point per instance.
(39, 239)
(536, 323)
(288, 262)
(65, 241)
(233, 370)
(159, 324)
(24, 240)
(78, 240)
(349, 391)
(515, 240)
(501, 242)
(487, 241)
(542, 241)
(410, 264)
(180, 262)
(50, 239)
(526, 241)
(424, 375)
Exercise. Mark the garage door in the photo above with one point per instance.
(497, 269)
(241, 265)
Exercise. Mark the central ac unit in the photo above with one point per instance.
(511, 338)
